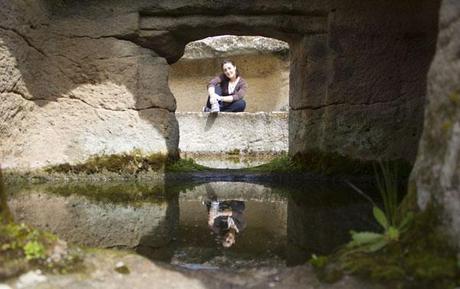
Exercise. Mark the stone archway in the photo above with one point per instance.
(358, 76)
(262, 61)
(357, 81)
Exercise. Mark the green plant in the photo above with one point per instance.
(391, 219)
(34, 250)
(318, 262)
(371, 241)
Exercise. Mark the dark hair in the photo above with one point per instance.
(232, 63)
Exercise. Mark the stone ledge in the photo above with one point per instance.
(233, 133)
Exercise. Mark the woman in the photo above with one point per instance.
(226, 219)
(226, 91)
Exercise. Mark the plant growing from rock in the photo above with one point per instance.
(393, 221)
(411, 251)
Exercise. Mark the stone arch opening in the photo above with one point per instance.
(256, 136)
(357, 77)
(262, 61)
(168, 35)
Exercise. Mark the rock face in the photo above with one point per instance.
(262, 61)
(227, 132)
(230, 45)
(436, 175)
(78, 80)
(66, 97)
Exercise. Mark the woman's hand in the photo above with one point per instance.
(213, 98)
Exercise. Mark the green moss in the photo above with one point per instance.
(327, 164)
(281, 164)
(454, 97)
(336, 164)
(132, 162)
(24, 248)
(234, 152)
(421, 259)
(185, 165)
(5, 214)
(446, 126)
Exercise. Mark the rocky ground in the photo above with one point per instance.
(114, 269)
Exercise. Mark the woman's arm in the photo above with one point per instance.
(228, 98)
(240, 90)
(212, 217)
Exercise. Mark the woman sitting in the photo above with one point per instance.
(226, 91)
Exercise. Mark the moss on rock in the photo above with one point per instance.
(328, 164)
(185, 165)
(421, 259)
(24, 248)
(336, 164)
(132, 163)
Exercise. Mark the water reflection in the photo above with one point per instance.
(283, 224)
(4, 211)
(319, 221)
(225, 217)
(92, 222)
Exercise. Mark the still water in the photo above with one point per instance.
(284, 223)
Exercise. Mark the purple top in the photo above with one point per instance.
(240, 88)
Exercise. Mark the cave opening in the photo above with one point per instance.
(253, 137)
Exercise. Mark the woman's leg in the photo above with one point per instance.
(218, 91)
(236, 106)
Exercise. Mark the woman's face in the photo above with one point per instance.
(229, 70)
(229, 240)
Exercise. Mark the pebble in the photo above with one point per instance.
(30, 278)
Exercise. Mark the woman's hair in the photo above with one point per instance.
(232, 63)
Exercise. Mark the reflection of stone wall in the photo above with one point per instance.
(98, 224)
(264, 65)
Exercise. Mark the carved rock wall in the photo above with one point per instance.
(81, 79)
(71, 89)
(436, 175)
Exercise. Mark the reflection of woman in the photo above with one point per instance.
(226, 219)
(226, 91)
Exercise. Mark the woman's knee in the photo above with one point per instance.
(240, 105)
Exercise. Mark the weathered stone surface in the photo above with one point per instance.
(36, 134)
(80, 93)
(343, 53)
(436, 175)
(146, 274)
(227, 132)
(231, 45)
(357, 129)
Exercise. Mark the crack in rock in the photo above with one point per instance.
(25, 39)
(310, 107)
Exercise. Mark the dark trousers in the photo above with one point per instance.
(235, 106)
